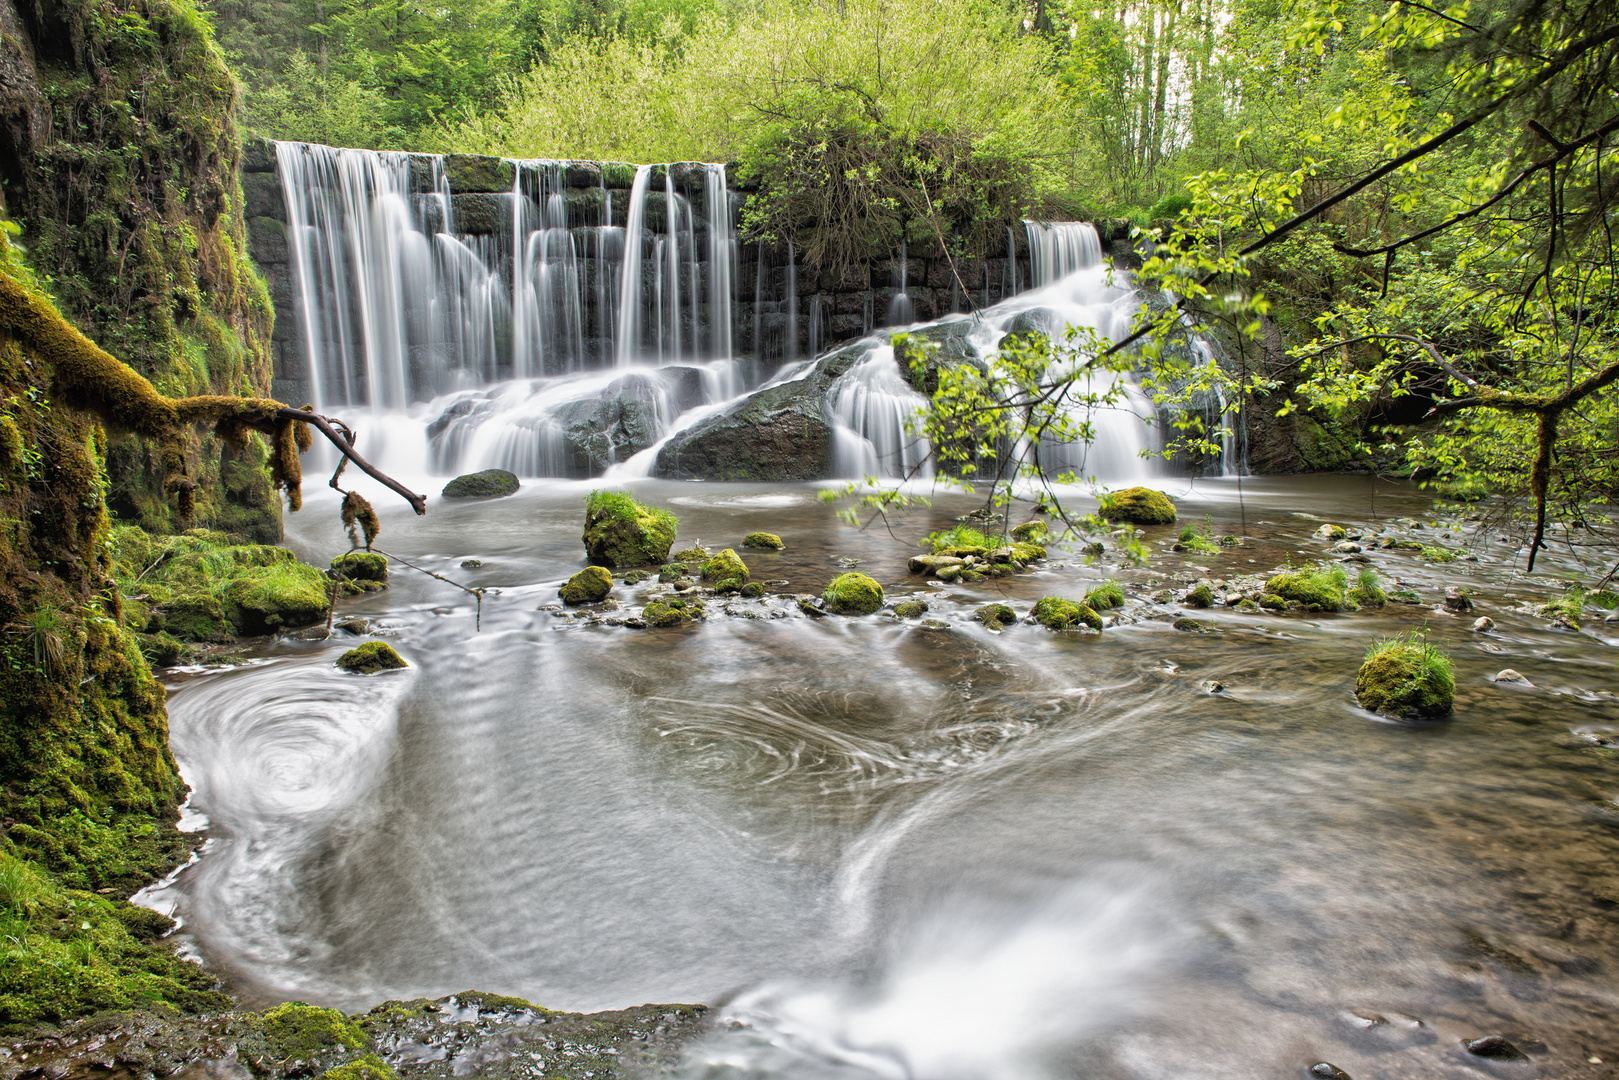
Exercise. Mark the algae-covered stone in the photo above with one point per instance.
(853, 594)
(726, 572)
(671, 612)
(589, 585)
(195, 617)
(752, 590)
(1032, 532)
(1407, 678)
(1106, 595)
(1201, 597)
(370, 658)
(911, 609)
(1192, 626)
(1138, 506)
(932, 564)
(369, 1067)
(262, 600)
(489, 484)
(361, 566)
(1332, 532)
(318, 1039)
(995, 616)
(767, 541)
(1317, 589)
(622, 532)
(1055, 613)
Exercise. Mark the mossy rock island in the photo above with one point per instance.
(1138, 506)
(1406, 678)
(371, 658)
(1055, 613)
(1315, 588)
(622, 532)
(763, 540)
(489, 484)
(589, 585)
(726, 572)
(853, 594)
(671, 611)
(362, 567)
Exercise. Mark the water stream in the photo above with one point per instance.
(889, 849)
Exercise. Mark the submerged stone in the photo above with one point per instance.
(370, 658)
(489, 484)
(1496, 1048)
(911, 609)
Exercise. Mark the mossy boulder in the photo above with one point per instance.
(1106, 595)
(911, 609)
(194, 617)
(1055, 613)
(1192, 626)
(489, 484)
(361, 566)
(995, 616)
(369, 1067)
(764, 540)
(370, 658)
(262, 600)
(1201, 596)
(752, 590)
(589, 585)
(1317, 589)
(726, 572)
(1406, 678)
(622, 532)
(1138, 506)
(853, 594)
(672, 611)
(1032, 532)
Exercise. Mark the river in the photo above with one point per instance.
(894, 849)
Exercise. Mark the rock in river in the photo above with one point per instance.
(489, 484)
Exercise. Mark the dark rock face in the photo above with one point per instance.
(623, 420)
(489, 484)
(1496, 1048)
(480, 214)
(781, 432)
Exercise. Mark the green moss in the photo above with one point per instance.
(1332, 533)
(1404, 596)
(1247, 606)
(853, 594)
(726, 572)
(589, 585)
(1019, 552)
(911, 609)
(371, 658)
(369, 1067)
(362, 566)
(995, 616)
(753, 590)
(1272, 602)
(306, 1039)
(262, 600)
(671, 611)
(1104, 596)
(622, 532)
(1137, 505)
(1058, 614)
(1368, 591)
(1201, 597)
(1406, 677)
(961, 540)
(1198, 542)
(768, 541)
(489, 484)
(1316, 588)
(1438, 554)
(1568, 607)
(1192, 626)
(1032, 532)
(1603, 598)
(687, 558)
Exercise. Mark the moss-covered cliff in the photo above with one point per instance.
(119, 158)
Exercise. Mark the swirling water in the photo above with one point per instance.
(896, 850)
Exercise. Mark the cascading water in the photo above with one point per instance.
(1059, 248)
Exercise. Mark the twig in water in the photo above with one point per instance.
(477, 594)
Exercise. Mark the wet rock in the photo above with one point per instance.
(1137, 505)
(1232, 599)
(1563, 621)
(752, 591)
(1346, 547)
(767, 541)
(1200, 597)
(471, 564)
(1457, 599)
(933, 564)
(1192, 626)
(853, 594)
(1326, 1070)
(622, 532)
(1483, 624)
(489, 484)
(726, 572)
(911, 609)
(1093, 551)
(1496, 1048)
(777, 433)
(371, 658)
(812, 606)
(672, 611)
(1507, 675)
(995, 616)
(1055, 613)
(356, 626)
(1032, 532)
(589, 585)
(1332, 532)
(1212, 686)
(361, 566)
(1163, 596)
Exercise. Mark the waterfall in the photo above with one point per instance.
(875, 409)
(900, 310)
(406, 290)
(1058, 248)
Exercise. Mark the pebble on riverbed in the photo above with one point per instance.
(1326, 1070)
(1496, 1048)
(1483, 624)
(1507, 675)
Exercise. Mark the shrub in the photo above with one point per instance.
(1406, 677)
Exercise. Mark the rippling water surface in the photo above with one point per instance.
(894, 851)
